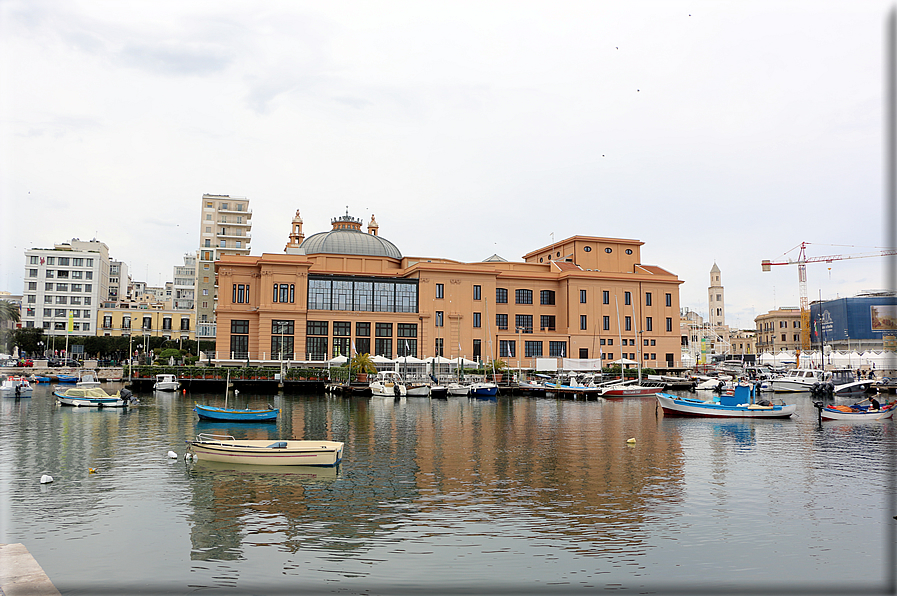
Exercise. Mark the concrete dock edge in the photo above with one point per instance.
(21, 575)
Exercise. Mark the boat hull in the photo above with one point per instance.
(631, 391)
(232, 415)
(831, 413)
(268, 453)
(686, 407)
(483, 390)
(91, 397)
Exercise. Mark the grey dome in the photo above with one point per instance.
(350, 242)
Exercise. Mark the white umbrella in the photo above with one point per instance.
(338, 360)
(408, 360)
(378, 359)
(624, 361)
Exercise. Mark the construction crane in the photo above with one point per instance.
(801, 263)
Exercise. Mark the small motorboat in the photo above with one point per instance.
(15, 387)
(94, 397)
(388, 383)
(234, 415)
(166, 382)
(225, 448)
(857, 411)
(645, 389)
(87, 378)
(66, 379)
(457, 389)
(737, 403)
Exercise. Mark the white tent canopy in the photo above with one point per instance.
(338, 360)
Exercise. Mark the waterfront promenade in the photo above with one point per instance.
(21, 575)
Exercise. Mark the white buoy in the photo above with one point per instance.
(45, 479)
(172, 454)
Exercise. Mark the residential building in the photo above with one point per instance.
(145, 318)
(184, 285)
(119, 279)
(224, 230)
(344, 291)
(778, 330)
(65, 284)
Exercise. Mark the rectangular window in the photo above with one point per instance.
(88, 287)
(33, 260)
(285, 327)
(440, 291)
(532, 349)
(582, 296)
(439, 345)
(62, 287)
(48, 286)
(584, 353)
(627, 323)
(669, 299)
(439, 318)
(383, 347)
(78, 275)
(62, 300)
(383, 330)
(406, 330)
(583, 322)
(477, 320)
(606, 322)
(524, 323)
(282, 347)
(477, 349)
(63, 261)
(384, 297)
(605, 296)
(32, 273)
(32, 285)
(501, 295)
(362, 329)
(501, 321)
(557, 349)
(647, 298)
(362, 345)
(649, 324)
(507, 348)
(316, 348)
(166, 324)
(523, 296)
(343, 294)
(59, 312)
(669, 324)
(406, 347)
(477, 292)
(342, 328)
(76, 262)
(316, 328)
(546, 297)
(239, 339)
(50, 274)
(627, 298)
(185, 323)
(546, 322)
(32, 299)
(76, 287)
(318, 294)
(148, 323)
(88, 275)
(51, 260)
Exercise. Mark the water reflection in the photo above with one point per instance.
(546, 489)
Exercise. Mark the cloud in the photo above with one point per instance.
(177, 58)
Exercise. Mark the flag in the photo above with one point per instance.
(71, 325)
(354, 351)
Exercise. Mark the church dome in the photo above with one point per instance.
(346, 238)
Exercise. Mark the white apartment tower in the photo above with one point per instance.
(224, 230)
(68, 281)
(184, 286)
(717, 299)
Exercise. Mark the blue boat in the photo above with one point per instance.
(66, 379)
(483, 389)
(235, 415)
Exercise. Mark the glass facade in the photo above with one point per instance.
(358, 295)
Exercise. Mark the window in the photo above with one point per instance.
(33, 260)
(61, 287)
(76, 287)
(507, 348)
(609, 356)
(406, 330)
(523, 296)
(546, 322)
(477, 292)
(647, 298)
(719, 297)
(88, 275)
(316, 327)
(439, 318)
(406, 347)
(627, 298)
(439, 346)
(185, 323)
(241, 293)
(126, 322)
(649, 324)
(63, 261)
(383, 330)
(49, 274)
(501, 321)
(605, 320)
(501, 295)
(440, 291)
(48, 286)
(783, 337)
(362, 345)
(557, 349)
(605, 297)
(524, 323)
(88, 287)
(583, 322)
(166, 324)
(383, 347)
(546, 297)
(59, 312)
(148, 323)
(669, 324)
(477, 321)
(362, 329)
(317, 348)
(32, 299)
(583, 353)
(62, 300)
(342, 328)
(77, 262)
(669, 299)
(627, 323)
(477, 349)
(582, 296)
(532, 349)
(32, 273)
(51, 260)
(239, 339)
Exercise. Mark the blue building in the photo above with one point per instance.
(864, 322)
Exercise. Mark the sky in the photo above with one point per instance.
(725, 132)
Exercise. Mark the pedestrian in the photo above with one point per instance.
(873, 404)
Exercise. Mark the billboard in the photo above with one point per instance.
(884, 317)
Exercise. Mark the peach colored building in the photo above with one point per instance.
(348, 290)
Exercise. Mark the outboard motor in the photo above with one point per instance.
(720, 386)
(126, 395)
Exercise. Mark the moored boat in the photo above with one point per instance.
(457, 389)
(483, 389)
(166, 382)
(15, 387)
(630, 390)
(235, 415)
(225, 448)
(798, 379)
(93, 397)
(738, 404)
(857, 411)
(388, 383)
(87, 378)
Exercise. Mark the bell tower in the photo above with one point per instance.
(296, 234)
(716, 299)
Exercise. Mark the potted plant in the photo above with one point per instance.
(362, 365)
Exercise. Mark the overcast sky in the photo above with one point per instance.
(711, 131)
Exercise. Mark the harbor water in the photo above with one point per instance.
(461, 496)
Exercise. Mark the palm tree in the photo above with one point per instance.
(362, 363)
(9, 311)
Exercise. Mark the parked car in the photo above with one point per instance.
(8, 362)
(25, 362)
(63, 362)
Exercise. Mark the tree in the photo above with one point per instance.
(363, 363)
(9, 312)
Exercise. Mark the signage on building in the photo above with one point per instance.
(884, 317)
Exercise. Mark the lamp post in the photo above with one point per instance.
(40, 347)
(519, 329)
